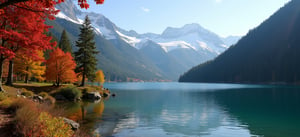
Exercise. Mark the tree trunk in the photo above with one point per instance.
(27, 75)
(57, 83)
(10, 76)
(82, 112)
(1, 69)
(83, 81)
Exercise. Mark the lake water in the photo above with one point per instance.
(181, 109)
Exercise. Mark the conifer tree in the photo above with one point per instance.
(85, 57)
(64, 43)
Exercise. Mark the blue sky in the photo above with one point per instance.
(224, 17)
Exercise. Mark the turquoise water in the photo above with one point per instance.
(208, 110)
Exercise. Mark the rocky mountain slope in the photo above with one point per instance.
(128, 55)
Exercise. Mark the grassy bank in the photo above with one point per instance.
(31, 117)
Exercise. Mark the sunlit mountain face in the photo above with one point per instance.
(148, 56)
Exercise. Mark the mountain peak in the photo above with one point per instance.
(171, 32)
(192, 26)
(69, 9)
(193, 41)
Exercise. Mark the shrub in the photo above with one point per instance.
(26, 118)
(21, 102)
(33, 119)
(34, 124)
(43, 94)
(87, 90)
(3, 96)
(6, 102)
(97, 88)
(49, 100)
(27, 93)
(53, 127)
(70, 92)
(52, 109)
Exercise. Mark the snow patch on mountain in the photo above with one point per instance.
(225, 46)
(99, 28)
(130, 40)
(108, 34)
(63, 16)
(142, 43)
(190, 36)
(204, 46)
(169, 46)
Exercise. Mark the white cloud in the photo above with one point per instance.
(145, 9)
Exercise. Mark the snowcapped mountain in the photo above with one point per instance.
(168, 46)
(191, 36)
(196, 36)
(185, 47)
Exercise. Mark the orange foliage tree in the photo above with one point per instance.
(22, 26)
(27, 66)
(100, 78)
(60, 67)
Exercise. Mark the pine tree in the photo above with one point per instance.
(86, 55)
(64, 43)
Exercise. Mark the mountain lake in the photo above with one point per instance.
(187, 109)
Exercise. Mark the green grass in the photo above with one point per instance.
(70, 92)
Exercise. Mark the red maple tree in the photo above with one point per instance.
(60, 67)
(47, 3)
(21, 28)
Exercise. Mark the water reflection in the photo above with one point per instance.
(165, 113)
(206, 110)
(86, 113)
(267, 111)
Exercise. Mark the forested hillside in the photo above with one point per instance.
(268, 53)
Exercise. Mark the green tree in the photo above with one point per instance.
(48, 51)
(64, 43)
(85, 57)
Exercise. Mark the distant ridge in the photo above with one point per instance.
(126, 55)
(269, 53)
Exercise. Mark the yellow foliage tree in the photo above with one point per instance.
(100, 78)
(99, 108)
(30, 66)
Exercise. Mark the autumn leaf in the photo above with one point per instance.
(30, 65)
(100, 78)
(60, 67)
